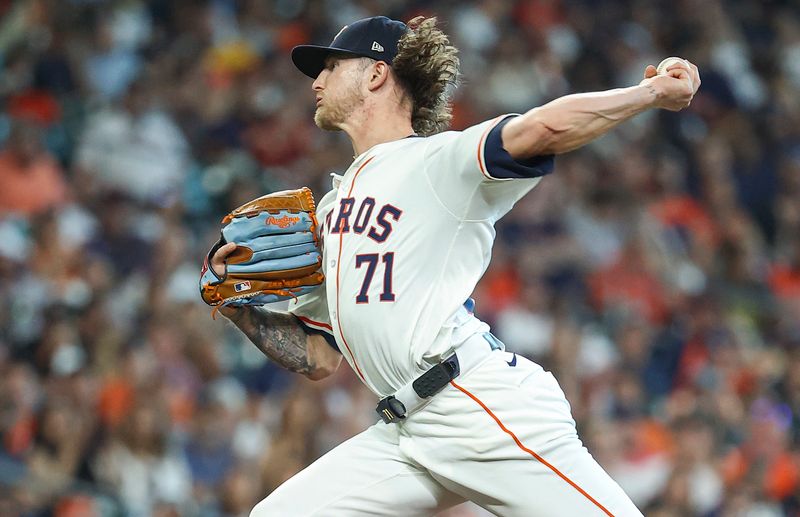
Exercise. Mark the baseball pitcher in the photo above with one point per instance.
(400, 241)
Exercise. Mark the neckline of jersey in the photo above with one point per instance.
(358, 158)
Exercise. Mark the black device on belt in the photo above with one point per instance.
(426, 385)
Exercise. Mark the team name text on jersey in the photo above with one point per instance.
(379, 231)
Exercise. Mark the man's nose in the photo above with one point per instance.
(319, 82)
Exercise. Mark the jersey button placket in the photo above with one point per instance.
(332, 247)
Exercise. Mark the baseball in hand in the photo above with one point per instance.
(661, 69)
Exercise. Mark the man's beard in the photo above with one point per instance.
(331, 116)
(327, 119)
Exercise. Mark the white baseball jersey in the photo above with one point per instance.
(408, 232)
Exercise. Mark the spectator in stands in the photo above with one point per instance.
(31, 181)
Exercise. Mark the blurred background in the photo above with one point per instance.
(656, 272)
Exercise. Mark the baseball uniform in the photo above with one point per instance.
(408, 231)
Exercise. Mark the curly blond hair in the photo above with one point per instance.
(427, 68)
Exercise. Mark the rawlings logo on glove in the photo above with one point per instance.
(283, 222)
(277, 253)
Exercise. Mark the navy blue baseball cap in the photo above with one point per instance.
(374, 37)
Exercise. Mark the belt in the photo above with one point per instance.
(414, 395)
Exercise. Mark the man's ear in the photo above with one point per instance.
(378, 75)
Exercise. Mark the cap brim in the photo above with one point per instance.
(310, 59)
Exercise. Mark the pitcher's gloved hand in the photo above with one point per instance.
(277, 253)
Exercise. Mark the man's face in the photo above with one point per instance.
(338, 91)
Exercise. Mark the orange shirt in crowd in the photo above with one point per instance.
(785, 281)
(685, 212)
(633, 288)
(31, 189)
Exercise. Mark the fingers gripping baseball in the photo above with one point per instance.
(674, 82)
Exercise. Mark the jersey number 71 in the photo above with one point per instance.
(371, 260)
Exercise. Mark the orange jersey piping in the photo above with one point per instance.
(338, 266)
(481, 144)
(309, 321)
(536, 456)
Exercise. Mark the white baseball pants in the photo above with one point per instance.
(500, 435)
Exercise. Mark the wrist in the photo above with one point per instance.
(232, 313)
(649, 93)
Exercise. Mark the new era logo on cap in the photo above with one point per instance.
(377, 47)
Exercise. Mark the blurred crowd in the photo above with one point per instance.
(656, 272)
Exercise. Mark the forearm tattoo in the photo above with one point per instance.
(278, 335)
